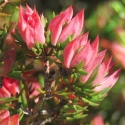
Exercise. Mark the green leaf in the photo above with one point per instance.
(8, 99)
(65, 114)
(75, 108)
(78, 108)
(23, 98)
(53, 14)
(87, 90)
(48, 33)
(64, 92)
(37, 44)
(66, 80)
(75, 117)
(79, 116)
(15, 66)
(80, 65)
(74, 101)
(15, 74)
(96, 99)
(17, 36)
(59, 56)
(41, 91)
(81, 108)
(50, 102)
(41, 80)
(61, 91)
(66, 108)
(105, 90)
(75, 75)
(63, 44)
(37, 51)
(21, 116)
(82, 72)
(77, 89)
(90, 103)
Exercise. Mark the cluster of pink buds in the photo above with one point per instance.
(78, 50)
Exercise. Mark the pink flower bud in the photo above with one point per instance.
(97, 120)
(71, 49)
(118, 52)
(71, 26)
(74, 27)
(30, 27)
(108, 81)
(5, 118)
(4, 93)
(9, 87)
(33, 90)
(57, 23)
(14, 120)
(79, 50)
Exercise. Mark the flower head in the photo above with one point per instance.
(9, 87)
(80, 50)
(70, 51)
(97, 120)
(5, 118)
(118, 52)
(30, 27)
(72, 26)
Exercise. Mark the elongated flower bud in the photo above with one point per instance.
(30, 27)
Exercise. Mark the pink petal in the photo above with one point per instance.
(57, 23)
(29, 11)
(84, 55)
(29, 40)
(90, 67)
(35, 93)
(5, 121)
(118, 52)
(11, 85)
(4, 114)
(94, 50)
(74, 27)
(21, 21)
(39, 33)
(97, 120)
(109, 81)
(14, 120)
(4, 92)
(38, 29)
(103, 69)
(72, 47)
